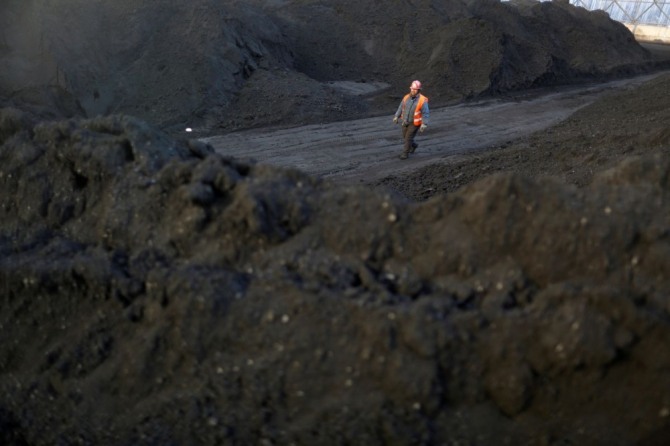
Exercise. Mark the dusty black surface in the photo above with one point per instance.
(154, 292)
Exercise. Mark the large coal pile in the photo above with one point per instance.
(154, 292)
(168, 62)
(219, 66)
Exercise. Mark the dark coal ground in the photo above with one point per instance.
(598, 137)
(154, 292)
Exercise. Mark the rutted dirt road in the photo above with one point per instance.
(366, 150)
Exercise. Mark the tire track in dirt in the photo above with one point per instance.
(367, 149)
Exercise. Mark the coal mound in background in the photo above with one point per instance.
(216, 66)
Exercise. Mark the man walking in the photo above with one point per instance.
(413, 114)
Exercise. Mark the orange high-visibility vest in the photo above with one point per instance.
(418, 117)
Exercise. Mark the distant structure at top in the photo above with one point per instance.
(649, 20)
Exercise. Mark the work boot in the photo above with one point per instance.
(414, 146)
(403, 156)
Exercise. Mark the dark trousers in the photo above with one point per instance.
(408, 134)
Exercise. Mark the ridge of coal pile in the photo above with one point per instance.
(154, 292)
(221, 66)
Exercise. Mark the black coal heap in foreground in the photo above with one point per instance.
(154, 292)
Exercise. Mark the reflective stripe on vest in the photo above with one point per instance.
(418, 117)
